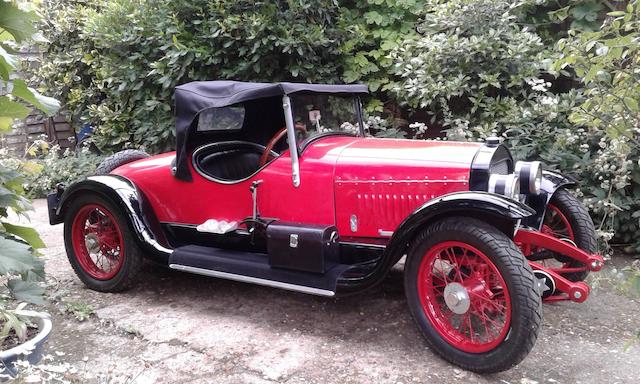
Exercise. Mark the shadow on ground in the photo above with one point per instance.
(176, 327)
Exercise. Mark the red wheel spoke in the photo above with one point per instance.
(95, 226)
(464, 273)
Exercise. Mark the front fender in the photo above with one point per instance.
(551, 182)
(124, 193)
(498, 210)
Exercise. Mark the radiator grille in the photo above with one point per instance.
(500, 168)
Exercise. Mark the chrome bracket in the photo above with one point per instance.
(254, 197)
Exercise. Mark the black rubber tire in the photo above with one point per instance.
(584, 232)
(526, 314)
(127, 276)
(119, 158)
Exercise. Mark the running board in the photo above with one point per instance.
(253, 268)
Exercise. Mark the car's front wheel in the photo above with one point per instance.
(472, 294)
(566, 218)
(99, 245)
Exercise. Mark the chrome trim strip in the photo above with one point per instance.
(192, 226)
(385, 233)
(291, 140)
(425, 181)
(355, 244)
(253, 280)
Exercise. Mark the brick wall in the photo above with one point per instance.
(55, 130)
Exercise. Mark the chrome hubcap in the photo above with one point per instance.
(456, 297)
(92, 243)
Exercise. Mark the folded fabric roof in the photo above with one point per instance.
(192, 98)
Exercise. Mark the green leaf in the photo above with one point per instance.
(17, 22)
(46, 104)
(9, 108)
(560, 14)
(8, 63)
(16, 256)
(5, 123)
(27, 234)
(28, 291)
(632, 104)
(14, 322)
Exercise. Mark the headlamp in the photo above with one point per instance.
(507, 185)
(530, 175)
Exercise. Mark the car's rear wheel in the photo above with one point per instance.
(472, 294)
(119, 158)
(99, 245)
(566, 218)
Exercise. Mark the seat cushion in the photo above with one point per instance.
(233, 164)
(229, 160)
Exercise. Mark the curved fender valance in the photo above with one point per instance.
(120, 190)
(551, 182)
(493, 208)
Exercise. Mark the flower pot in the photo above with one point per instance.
(32, 349)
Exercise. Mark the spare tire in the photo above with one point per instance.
(120, 158)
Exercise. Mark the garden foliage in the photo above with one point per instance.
(116, 64)
(20, 267)
(481, 70)
(607, 61)
(540, 73)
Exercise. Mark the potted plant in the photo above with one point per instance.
(22, 332)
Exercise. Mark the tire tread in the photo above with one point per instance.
(524, 297)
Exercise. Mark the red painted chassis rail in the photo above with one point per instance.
(575, 291)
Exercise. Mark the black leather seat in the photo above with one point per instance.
(228, 161)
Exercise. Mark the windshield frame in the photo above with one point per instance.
(351, 113)
(301, 146)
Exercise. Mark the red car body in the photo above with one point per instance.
(329, 213)
(340, 176)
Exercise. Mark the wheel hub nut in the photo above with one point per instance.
(456, 297)
(92, 244)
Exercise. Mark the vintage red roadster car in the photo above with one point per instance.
(279, 185)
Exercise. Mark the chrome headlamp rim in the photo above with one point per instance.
(530, 174)
(506, 185)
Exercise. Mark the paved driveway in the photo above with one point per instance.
(180, 328)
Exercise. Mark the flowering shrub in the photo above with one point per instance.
(606, 62)
(463, 68)
(464, 71)
(56, 166)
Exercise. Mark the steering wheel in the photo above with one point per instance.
(274, 140)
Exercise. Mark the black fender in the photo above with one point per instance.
(498, 210)
(551, 182)
(124, 194)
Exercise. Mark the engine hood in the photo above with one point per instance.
(379, 182)
(398, 158)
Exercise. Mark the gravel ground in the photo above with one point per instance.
(176, 327)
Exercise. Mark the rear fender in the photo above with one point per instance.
(499, 211)
(132, 202)
(551, 182)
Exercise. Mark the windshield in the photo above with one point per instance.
(315, 114)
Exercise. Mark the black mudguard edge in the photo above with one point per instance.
(124, 193)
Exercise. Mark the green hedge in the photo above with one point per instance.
(524, 70)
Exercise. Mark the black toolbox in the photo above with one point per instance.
(311, 248)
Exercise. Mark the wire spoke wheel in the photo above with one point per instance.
(464, 296)
(97, 242)
(557, 224)
(472, 293)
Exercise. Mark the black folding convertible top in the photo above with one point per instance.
(192, 98)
